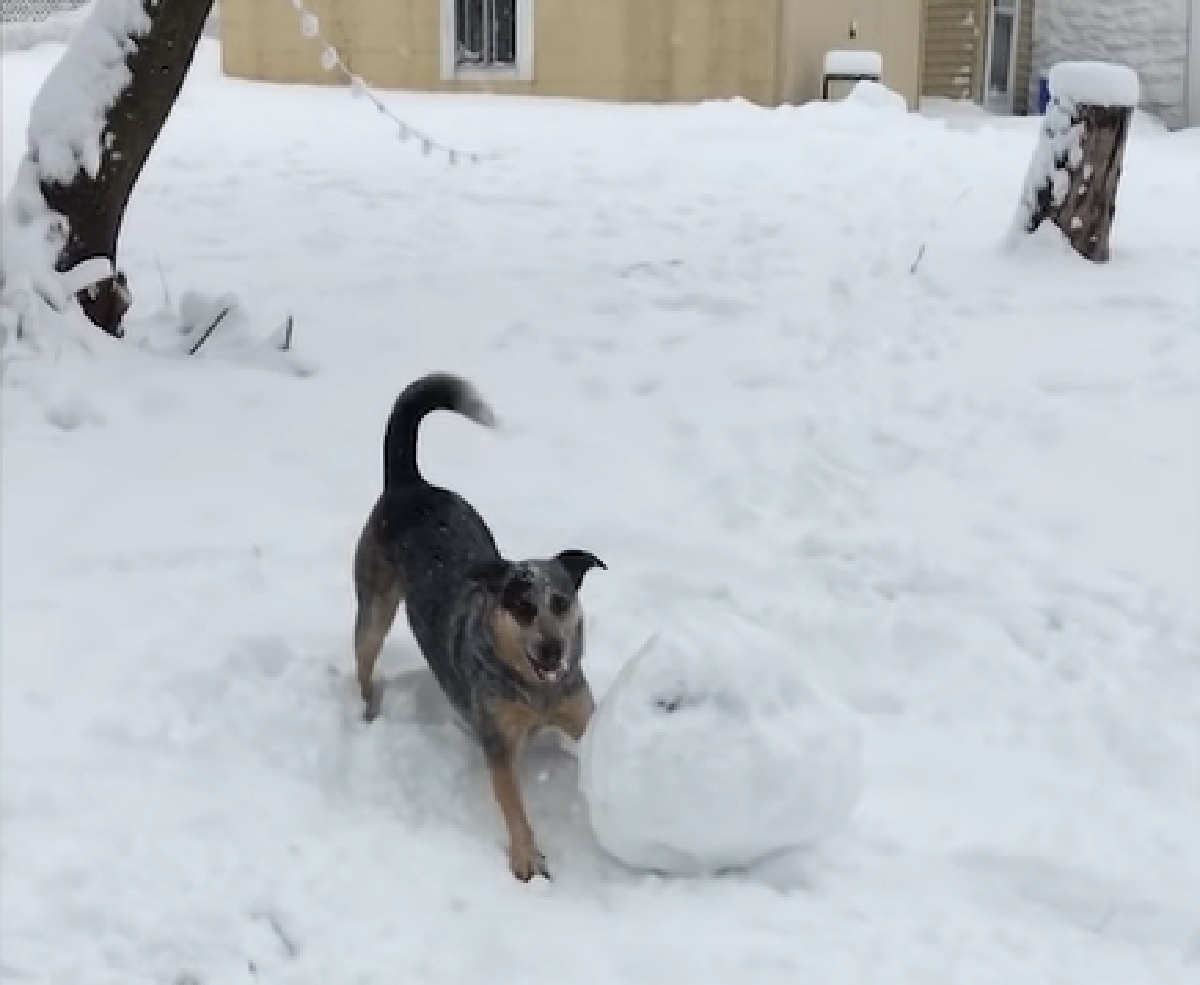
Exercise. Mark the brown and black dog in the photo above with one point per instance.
(504, 639)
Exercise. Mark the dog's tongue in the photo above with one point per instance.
(546, 673)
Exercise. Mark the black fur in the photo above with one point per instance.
(578, 563)
(437, 391)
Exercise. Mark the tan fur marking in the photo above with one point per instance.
(524, 858)
(514, 720)
(506, 638)
(379, 588)
(371, 626)
(573, 713)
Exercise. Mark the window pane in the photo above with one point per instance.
(468, 31)
(504, 46)
(1002, 42)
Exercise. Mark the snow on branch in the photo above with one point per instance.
(66, 133)
(331, 60)
(67, 119)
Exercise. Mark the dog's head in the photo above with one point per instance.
(537, 623)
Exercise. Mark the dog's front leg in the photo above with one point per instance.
(574, 712)
(524, 857)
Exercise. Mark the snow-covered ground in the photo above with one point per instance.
(774, 363)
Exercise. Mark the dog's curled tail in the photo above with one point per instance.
(436, 391)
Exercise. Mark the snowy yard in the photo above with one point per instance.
(775, 363)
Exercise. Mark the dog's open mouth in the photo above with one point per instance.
(546, 672)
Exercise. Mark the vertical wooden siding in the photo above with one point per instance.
(954, 37)
(1023, 101)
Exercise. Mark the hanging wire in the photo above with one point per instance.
(331, 61)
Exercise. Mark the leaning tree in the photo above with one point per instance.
(155, 42)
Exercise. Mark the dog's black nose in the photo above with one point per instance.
(550, 652)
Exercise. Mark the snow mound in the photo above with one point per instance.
(1095, 84)
(713, 751)
(875, 95)
(219, 327)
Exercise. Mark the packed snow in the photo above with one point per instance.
(712, 751)
(1094, 83)
(958, 484)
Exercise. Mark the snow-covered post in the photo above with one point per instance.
(95, 120)
(1076, 167)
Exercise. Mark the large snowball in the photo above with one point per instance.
(712, 751)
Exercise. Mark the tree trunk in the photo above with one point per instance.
(95, 207)
(1074, 177)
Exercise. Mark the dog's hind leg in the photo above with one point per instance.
(379, 589)
(373, 622)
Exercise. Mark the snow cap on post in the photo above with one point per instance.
(853, 62)
(1094, 84)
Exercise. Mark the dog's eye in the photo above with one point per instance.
(560, 605)
(523, 610)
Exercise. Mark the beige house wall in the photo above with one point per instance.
(812, 27)
(768, 51)
(688, 50)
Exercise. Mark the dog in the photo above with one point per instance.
(504, 639)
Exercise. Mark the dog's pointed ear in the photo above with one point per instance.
(491, 575)
(578, 563)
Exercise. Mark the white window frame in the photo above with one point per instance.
(1008, 104)
(522, 71)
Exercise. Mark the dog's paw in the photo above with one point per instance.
(527, 862)
(372, 701)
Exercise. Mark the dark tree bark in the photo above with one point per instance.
(1077, 191)
(95, 207)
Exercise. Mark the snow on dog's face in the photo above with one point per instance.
(536, 622)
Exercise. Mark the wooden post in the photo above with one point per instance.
(1076, 166)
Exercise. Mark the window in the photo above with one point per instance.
(484, 39)
(1000, 69)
